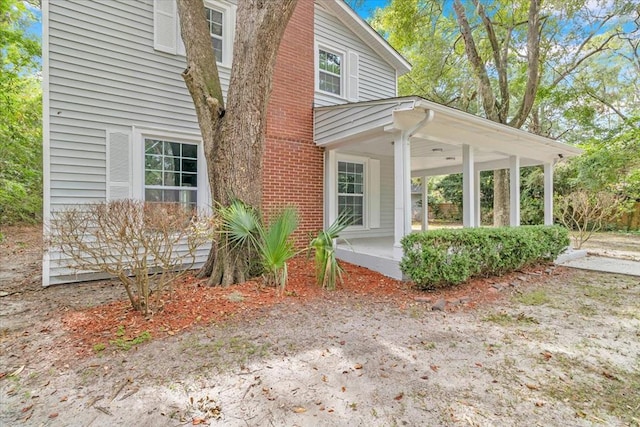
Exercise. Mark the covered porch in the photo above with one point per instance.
(374, 148)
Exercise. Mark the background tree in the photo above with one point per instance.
(21, 112)
(233, 135)
(519, 52)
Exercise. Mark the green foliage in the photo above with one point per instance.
(243, 227)
(20, 117)
(328, 270)
(125, 344)
(441, 258)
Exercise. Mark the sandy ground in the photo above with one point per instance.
(566, 352)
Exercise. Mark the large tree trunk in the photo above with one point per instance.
(233, 138)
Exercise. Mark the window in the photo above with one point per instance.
(215, 20)
(351, 191)
(330, 72)
(170, 172)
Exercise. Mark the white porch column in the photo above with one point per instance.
(425, 203)
(548, 194)
(514, 184)
(476, 199)
(468, 187)
(330, 197)
(402, 190)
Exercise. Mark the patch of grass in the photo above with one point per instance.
(235, 296)
(125, 344)
(99, 347)
(504, 319)
(587, 310)
(537, 297)
(594, 390)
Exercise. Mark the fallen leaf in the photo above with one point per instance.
(198, 421)
(424, 377)
(399, 397)
(344, 389)
(324, 378)
(299, 410)
(26, 408)
(479, 365)
(64, 399)
(532, 386)
(54, 415)
(539, 404)
(434, 368)
(546, 355)
(357, 366)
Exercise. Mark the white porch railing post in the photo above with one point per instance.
(548, 193)
(425, 203)
(514, 186)
(468, 186)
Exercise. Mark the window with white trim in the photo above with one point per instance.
(170, 172)
(215, 19)
(351, 191)
(330, 71)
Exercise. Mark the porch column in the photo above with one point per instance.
(514, 184)
(402, 189)
(425, 203)
(548, 194)
(476, 199)
(468, 187)
(330, 197)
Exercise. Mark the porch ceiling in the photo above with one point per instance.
(437, 135)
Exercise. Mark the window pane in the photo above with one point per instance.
(189, 165)
(329, 83)
(217, 48)
(171, 148)
(152, 146)
(190, 150)
(171, 179)
(153, 195)
(189, 180)
(152, 177)
(153, 161)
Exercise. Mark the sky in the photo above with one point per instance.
(368, 6)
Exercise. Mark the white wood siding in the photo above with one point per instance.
(377, 78)
(104, 75)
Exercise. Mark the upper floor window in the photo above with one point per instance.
(170, 172)
(330, 72)
(215, 19)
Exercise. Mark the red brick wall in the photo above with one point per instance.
(293, 165)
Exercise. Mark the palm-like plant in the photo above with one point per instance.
(328, 270)
(243, 227)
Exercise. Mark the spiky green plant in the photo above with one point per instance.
(243, 227)
(328, 269)
(276, 248)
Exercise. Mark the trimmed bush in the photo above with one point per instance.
(441, 258)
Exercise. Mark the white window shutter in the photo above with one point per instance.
(164, 26)
(353, 69)
(180, 50)
(118, 165)
(374, 193)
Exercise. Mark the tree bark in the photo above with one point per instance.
(501, 196)
(233, 137)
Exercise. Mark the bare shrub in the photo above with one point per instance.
(584, 213)
(145, 245)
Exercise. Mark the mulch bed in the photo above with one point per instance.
(194, 303)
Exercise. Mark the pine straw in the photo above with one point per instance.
(194, 303)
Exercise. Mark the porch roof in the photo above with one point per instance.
(437, 134)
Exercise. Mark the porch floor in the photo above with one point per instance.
(374, 253)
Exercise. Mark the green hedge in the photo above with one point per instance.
(441, 258)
